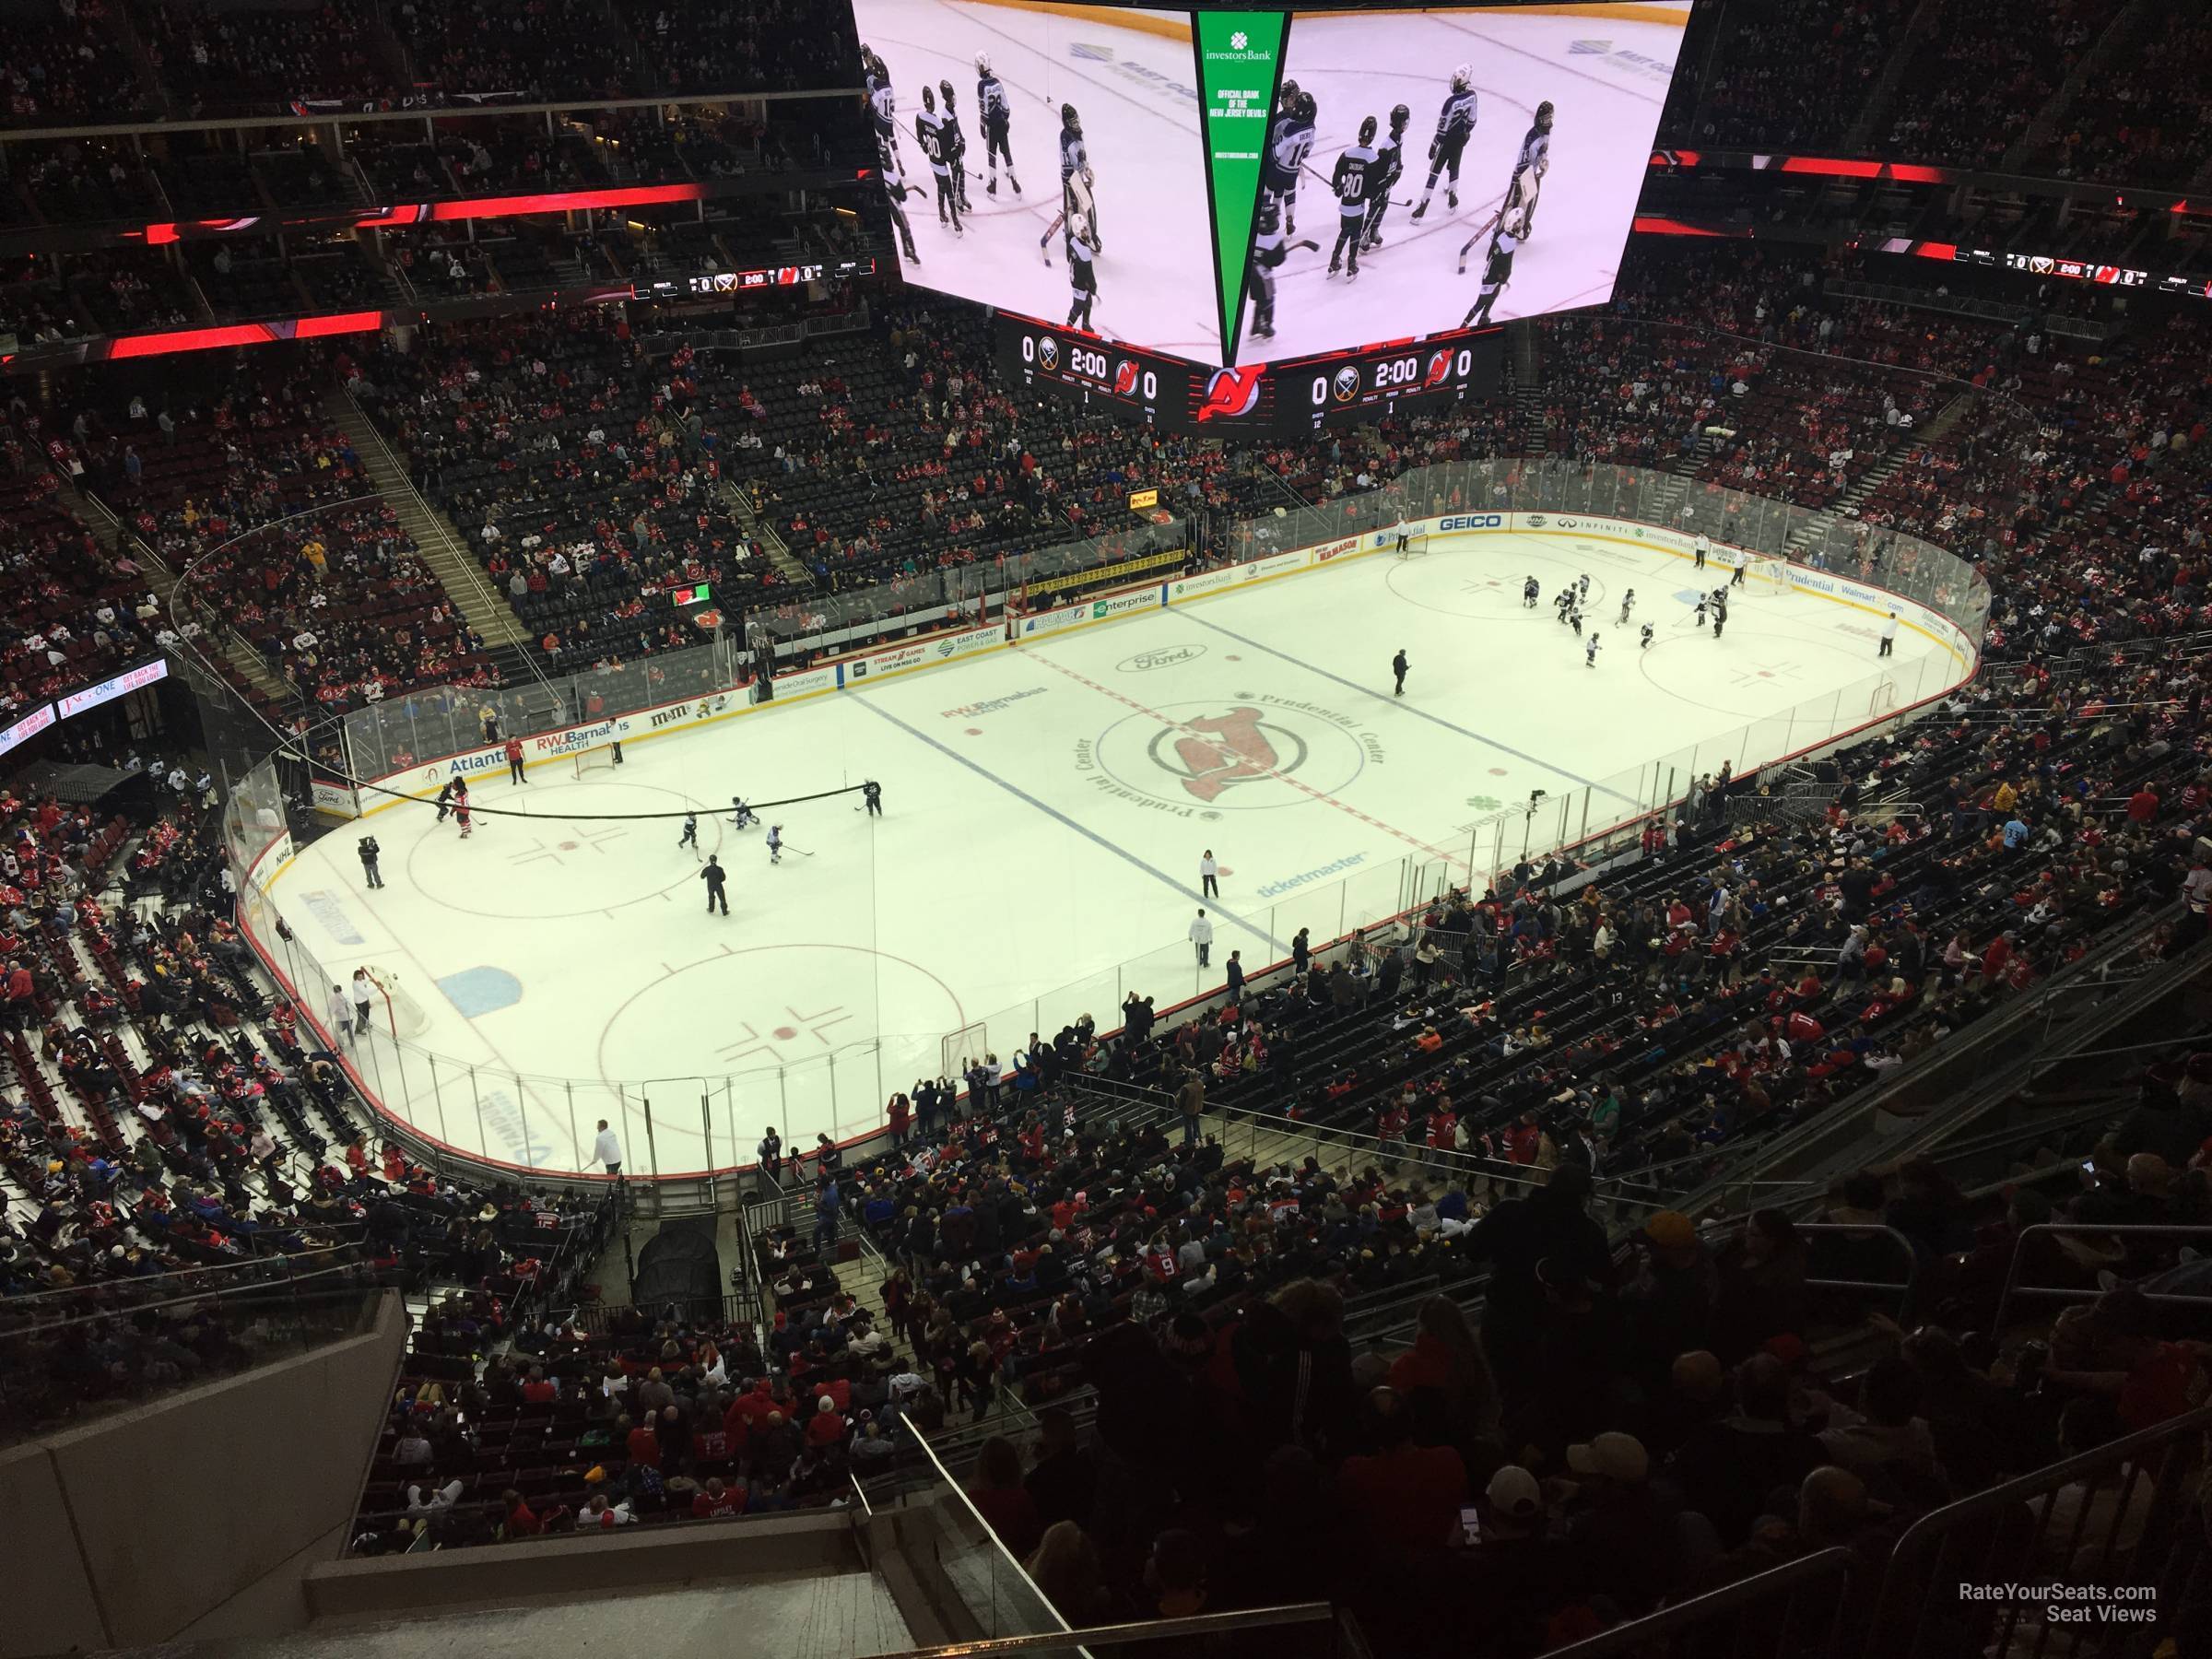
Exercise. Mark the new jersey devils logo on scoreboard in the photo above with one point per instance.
(1440, 369)
(1232, 393)
(1125, 377)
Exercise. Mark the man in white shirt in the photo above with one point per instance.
(608, 1151)
(338, 1016)
(1888, 636)
(1207, 872)
(363, 993)
(1202, 935)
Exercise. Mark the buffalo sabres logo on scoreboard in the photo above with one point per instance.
(1048, 354)
(1345, 386)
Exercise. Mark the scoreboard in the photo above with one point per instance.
(1347, 387)
(1343, 388)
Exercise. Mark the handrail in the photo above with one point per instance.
(1638, 1635)
(1141, 1630)
(2112, 1455)
(2088, 1230)
(1452, 1157)
(283, 1262)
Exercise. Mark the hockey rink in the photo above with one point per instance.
(1606, 76)
(1134, 87)
(1046, 807)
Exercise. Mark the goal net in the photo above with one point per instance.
(1416, 542)
(396, 1008)
(959, 1048)
(600, 756)
(1765, 577)
(1883, 700)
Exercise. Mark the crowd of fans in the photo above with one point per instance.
(1982, 80)
(175, 1135)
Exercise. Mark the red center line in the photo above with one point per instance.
(1307, 789)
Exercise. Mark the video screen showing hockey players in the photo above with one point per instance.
(1439, 170)
(1046, 160)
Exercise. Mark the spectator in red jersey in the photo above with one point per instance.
(1002, 1500)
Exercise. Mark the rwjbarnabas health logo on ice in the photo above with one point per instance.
(1248, 751)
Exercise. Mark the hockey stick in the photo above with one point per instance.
(1307, 243)
(801, 852)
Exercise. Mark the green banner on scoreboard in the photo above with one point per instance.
(1239, 55)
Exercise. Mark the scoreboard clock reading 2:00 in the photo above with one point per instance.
(1347, 387)
(1143, 383)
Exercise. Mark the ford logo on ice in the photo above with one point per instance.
(1144, 662)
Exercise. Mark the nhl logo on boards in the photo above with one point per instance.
(1347, 383)
(1534, 521)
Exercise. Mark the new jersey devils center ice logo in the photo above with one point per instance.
(1213, 753)
(1233, 394)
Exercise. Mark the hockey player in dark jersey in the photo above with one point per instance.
(956, 144)
(1078, 197)
(1389, 166)
(1268, 253)
(1082, 277)
(1455, 126)
(1497, 271)
(1528, 183)
(930, 134)
(1289, 142)
(995, 111)
(1355, 172)
(895, 188)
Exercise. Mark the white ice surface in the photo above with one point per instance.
(1607, 80)
(1032, 844)
(1138, 94)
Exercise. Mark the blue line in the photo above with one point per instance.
(1213, 906)
(1414, 709)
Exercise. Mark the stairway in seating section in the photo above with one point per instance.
(441, 546)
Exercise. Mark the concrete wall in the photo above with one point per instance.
(199, 1513)
(806, 1543)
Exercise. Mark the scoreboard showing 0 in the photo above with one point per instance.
(1141, 382)
(1342, 389)
(1347, 388)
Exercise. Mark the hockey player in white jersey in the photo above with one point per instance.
(1355, 173)
(1078, 196)
(1268, 253)
(883, 105)
(995, 111)
(956, 144)
(1390, 167)
(1289, 142)
(1520, 208)
(929, 133)
(1455, 126)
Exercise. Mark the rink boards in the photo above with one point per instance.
(914, 656)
